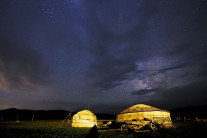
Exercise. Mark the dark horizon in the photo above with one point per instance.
(190, 113)
(108, 54)
(22, 109)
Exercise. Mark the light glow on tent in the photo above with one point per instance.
(84, 118)
(141, 111)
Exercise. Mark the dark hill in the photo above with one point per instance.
(17, 114)
(190, 112)
(13, 114)
(101, 116)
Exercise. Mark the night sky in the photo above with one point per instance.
(109, 54)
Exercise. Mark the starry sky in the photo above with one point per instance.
(109, 54)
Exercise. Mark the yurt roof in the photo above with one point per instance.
(141, 108)
(85, 112)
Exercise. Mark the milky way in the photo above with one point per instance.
(109, 54)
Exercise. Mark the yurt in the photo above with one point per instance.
(142, 111)
(84, 118)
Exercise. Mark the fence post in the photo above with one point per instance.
(32, 117)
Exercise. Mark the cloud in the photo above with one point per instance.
(21, 68)
(203, 72)
(188, 95)
(112, 108)
(194, 92)
(178, 50)
(145, 91)
(115, 45)
(61, 104)
(180, 66)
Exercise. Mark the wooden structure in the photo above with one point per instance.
(69, 117)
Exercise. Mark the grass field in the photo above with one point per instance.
(46, 129)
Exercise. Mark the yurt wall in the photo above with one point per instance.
(141, 115)
(131, 114)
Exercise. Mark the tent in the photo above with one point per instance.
(84, 118)
(142, 111)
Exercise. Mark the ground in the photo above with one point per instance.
(57, 129)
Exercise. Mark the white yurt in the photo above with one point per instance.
(84, 118)
(142, 111)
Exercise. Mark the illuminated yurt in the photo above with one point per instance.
(84, 118)
(142, 111)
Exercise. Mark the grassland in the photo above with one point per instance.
(46, 129)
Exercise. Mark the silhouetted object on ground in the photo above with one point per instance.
(17, 119)
(32, 117)
(93, 132)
